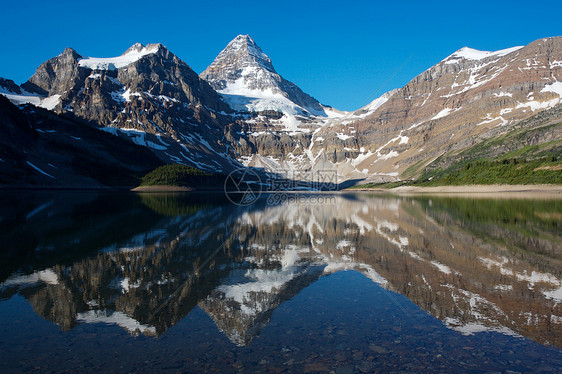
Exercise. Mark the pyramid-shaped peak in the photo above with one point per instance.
(242, 40)
(70, 52)
(244, 37)
(243, 70)
(244, 49)
(245, 41)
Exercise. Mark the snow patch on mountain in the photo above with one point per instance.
(555, 87)
(110, 317)
(25, 97)
(50, 102)
(373, 105)
(474, 54)
(133, 54)
(241, 98)
(47, 276)
(40, 170)
(136, 136)
(445, 112)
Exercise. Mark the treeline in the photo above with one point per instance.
(181, 175)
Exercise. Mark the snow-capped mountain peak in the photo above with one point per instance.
(242, 58)
(474, 54)
(247, 80)
(243, 46)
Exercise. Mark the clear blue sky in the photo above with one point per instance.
(343, 53)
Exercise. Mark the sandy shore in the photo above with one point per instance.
(494, 190)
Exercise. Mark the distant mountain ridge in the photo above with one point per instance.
(241, 113)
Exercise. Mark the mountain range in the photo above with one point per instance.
(241, 113)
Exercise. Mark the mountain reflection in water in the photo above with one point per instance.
(144, 262)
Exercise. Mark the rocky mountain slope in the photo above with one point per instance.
(538, 139)
(469, 96)
(147, 95)
(257, 119)
(41, 149)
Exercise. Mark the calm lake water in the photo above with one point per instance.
(345, 283)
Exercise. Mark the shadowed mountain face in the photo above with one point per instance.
(41, 149)
(477, 265)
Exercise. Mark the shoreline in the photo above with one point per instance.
(477, 190)
(495, 190)
(161, 189)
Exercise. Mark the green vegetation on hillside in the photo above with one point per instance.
(385, 185)
(177, 175)
(546, 170)
(522, 156)
(513, 158)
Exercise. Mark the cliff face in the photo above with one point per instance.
(56, 75)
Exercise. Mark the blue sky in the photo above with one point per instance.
(343, 54)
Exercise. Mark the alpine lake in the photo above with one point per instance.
(293, 283)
